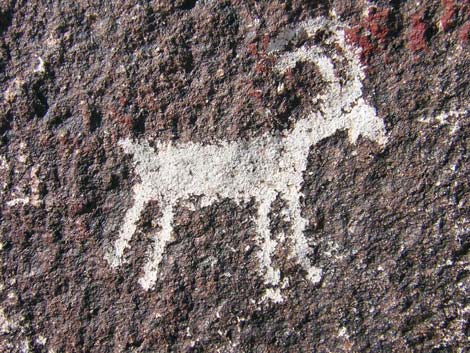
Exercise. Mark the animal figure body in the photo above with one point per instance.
(263, 167)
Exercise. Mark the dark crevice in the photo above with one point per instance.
(96, 119)
(40, 105)
(174, 128)
(6, 18)
(5, 123)
(188, 4)
(138, 125)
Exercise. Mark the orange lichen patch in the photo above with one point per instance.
(448, 14)
(417, 37)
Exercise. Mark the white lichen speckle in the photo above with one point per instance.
(343, 332)
(6, 325)
(262, 168)
(273, 294)
(40, 67)
(18, 201)
(442, 119)
(41, 340)
(35, 186)
(14, 89)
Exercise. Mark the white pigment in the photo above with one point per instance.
(261, 168)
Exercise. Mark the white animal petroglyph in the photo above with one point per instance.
(262, 168)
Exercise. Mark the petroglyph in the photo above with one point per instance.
(261, 168)
(443, 119)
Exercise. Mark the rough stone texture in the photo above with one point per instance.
(388, 226)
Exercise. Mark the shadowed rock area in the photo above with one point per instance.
(387, 219)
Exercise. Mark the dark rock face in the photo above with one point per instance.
(388, 225)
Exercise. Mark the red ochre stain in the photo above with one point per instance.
(448, 14)
(264, 61)
(354, 36)
(464, 33)
(464, 13)
(371, 33)
(417, 35)
(454, 13)
(377, 21)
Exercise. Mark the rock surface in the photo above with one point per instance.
(387, 220)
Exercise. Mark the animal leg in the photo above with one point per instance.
(128, 228)
(155, 254)
(267, 244)
(301, 248)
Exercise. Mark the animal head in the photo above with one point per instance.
(341, 103)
